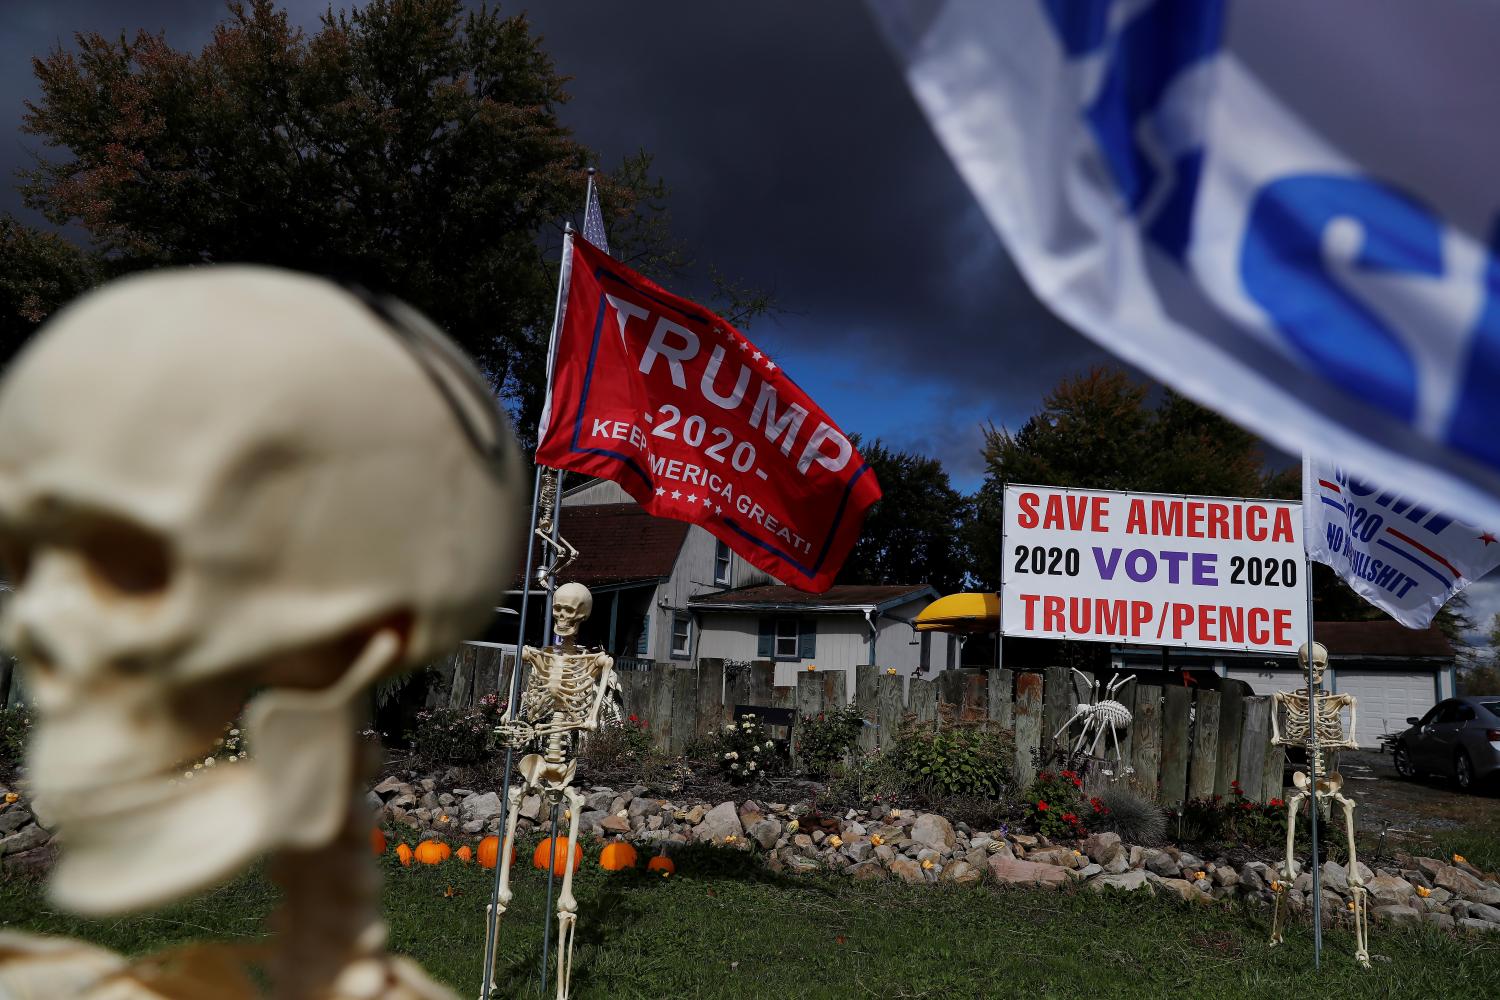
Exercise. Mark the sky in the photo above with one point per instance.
(798, 163)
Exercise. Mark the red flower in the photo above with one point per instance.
(1045, 776)
(1070, 775)
(1077, 783)
(1276, 803)
(634, 719)
(1041, 806)
(1070, 818)
(1247, 805)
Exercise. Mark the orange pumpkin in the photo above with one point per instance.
(465, 854)
(489, 852)
(403, 851)
(432, 852)
(377, 842)
(617, 857)
(661, 863)
(545, 854)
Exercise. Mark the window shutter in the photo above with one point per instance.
(926, 658)
(807, 638)
(765, 646)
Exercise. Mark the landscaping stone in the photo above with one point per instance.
(13, 819)
(531, 807)
(1102, 848)
(962, 873)
(480, 807)
(765, 832)
(1335, 877)
(1185, 890)
(1129, 881)
(1484, 912)
(1059, 856)
(1456, 881)
(1385, 890)
(723, 820)
(907, 871)
(24, 839)
(933, 831)
(1441, 920)
(1395, 913)
(1163, 864)
(615, 824)
(1012, 871)
(867, 871)
(1475, 924)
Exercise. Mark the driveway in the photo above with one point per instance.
(1411, 813)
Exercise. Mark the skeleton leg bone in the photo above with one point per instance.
(1356, 886)
(507, 846)
(567, 905)
(1289, 865)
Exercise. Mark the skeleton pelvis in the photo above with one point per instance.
(538, 771)
(1328, 786)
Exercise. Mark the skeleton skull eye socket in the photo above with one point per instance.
(124, 558)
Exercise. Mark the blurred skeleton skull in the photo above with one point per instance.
(1319, 660)
(571, 606)
(218, 483)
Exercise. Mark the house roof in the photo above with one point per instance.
(844, 597)
(619, 543)
(1381, 638)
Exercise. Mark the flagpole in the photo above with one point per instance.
(1313, 752)
(492, 916)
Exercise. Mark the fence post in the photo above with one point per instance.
(635, 687)
(684, 706)
(762, 682)
(1231, 722)
(950, 692)
(737, 688)
(976, 698)
(1254, 736)
(710, 700)
(922, 699)
(1028, 716)
(835, 689)
(1271, 785)
(809, 703)
(1146, 740)
(1000, 703)
(1174, 745)
(660, 705)
(1058, 696)
(867, 703)
(1205, 763)
(892, 706)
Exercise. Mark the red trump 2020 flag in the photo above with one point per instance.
(696, 423)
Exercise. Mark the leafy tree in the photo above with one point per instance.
(38, 273)
(913, 533)
(411, 146)
(1099, 430)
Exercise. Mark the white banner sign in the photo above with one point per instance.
(1402, 557)
(1153, 569)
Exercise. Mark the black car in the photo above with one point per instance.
(1457, 738)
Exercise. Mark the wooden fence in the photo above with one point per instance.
(1187, 743)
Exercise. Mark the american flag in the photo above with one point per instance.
(593, 219)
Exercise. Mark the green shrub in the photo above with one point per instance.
(623, 752)
(1134, 817)
(1055, 806)
(15, 726)
(824, 741)
(457, 737)
(1234, 821)
(745, 752)
(956, 760)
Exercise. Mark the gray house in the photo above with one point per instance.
(667, 591)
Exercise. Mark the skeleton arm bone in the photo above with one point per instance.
(606, 681)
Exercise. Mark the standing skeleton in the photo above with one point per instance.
(1100, 716)
(1319, 727)
(566, 689)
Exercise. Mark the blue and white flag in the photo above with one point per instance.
(1400, 555)
(1285, 210)
(593, 219)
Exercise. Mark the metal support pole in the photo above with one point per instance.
(492, 932)
(1313, 755)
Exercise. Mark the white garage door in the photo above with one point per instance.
(1386, 700)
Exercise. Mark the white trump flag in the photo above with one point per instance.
(1285, 210)
(1400, 555)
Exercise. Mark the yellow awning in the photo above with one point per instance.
(961, 614)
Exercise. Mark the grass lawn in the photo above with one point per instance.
(723, 927)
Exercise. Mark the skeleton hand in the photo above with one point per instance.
(517, 732)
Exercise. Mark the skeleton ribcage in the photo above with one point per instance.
(559, 684)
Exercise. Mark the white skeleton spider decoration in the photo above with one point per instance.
(566, 689)
(1100, 717)
(223, 484)
(1318, 728)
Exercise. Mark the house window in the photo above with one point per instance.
(682, 637)
(721, 564)
(643, 641)
(788, 639)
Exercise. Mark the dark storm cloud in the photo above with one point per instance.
(798, 162)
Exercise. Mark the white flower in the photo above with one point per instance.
(734, 767)
(732, 755)
(209, 762)
(752, 765)
(728, 727)
(234, 732)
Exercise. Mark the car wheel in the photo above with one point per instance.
(1463, 771)
(1404, 766)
